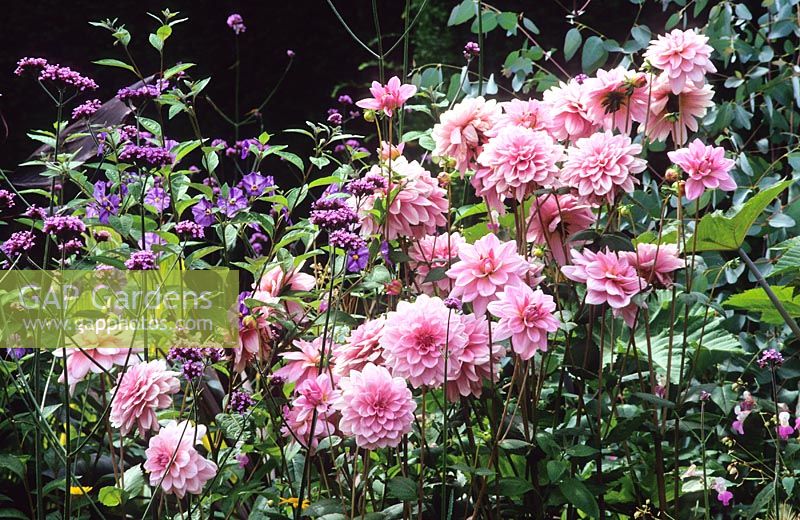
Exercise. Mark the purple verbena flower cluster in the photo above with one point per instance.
(64, 226)
(367, 185)
(141, 261)
(190, 229)
(53, 72)
(770, 357)
(18, 243)
(236, 23)
(332, 213)
(241, 401)
(6, 199)
(87, 109)
(471, 49)
(143, 93)
(153, 156)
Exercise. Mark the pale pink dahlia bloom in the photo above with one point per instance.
(676, 114)
(616, 98)
(415, 338)
(389, 97)
(99, 352)
(275, 282)
(684, 56)
(174, 463)
(362, 346)
(603, 165)
(253, 345)
(569, 111)
(417, 206)
(377, 409)
(531, 114)
(526, 316)
(302, 364)
(655, 263)
(434, 252)
(486, 267)
(462, 130)
(554, 218)
(520, 161)
(470, 367)
(706, 167)
(142, 390)
(609, 278)
(315, 394)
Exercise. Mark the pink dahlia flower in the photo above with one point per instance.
(142, 390)
(602, 165)
(569, 111)
(362, 346)
(274, 282)
(417, 206)
(434, 252)
(521, 160)
(706, 167)
(415, 338)
(377, 409)
(531, 114)
(174, 463)
(616, 98)
(526, 316)
(684, 56)
(462, 130)
(297, 425)
(254, 333)
(676, 114)
(655, 262)
(99, 352)
(554, 218)
(302, 364)
(470, 367)
(609, 278)
(389, 97)
(485, 267)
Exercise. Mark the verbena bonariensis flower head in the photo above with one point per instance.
(526, 316)
(87, 109)
(684, 56)
(616, 98)
(471, 49)
(603, 165)
(676, 114)
(434, 252)
(241, 401)
(554, 218)
(141, 391)
(655, 263)
(303, 363)
(486, 267)
(609, 278)
(367, 185)
(190, 229)
(389, 97)
(6, 199)
(236, 23)
(418, 205)
(152, 156)
(770, 358)
(142, 261)
(331, 213)
(174, 463)
(99, 352)
(469, 367)
(520, 161)
(19, 243)
(61, 77)
(362, 346)
(706, 168)
(415, 338)
(377, 409)
(568, 108)
(462, 130)
(143, 93)
(64, 226)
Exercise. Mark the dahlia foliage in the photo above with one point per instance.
(487, 306)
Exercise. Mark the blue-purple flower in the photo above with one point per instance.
(235, 202)
(357, 259)
(203, 213)
(104, 204)
(254, 184)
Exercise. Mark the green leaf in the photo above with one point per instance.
(164, 32)
(514, 487)
(12, 464)
(572, 43)
(109, 62)
(594, 54)
(176, 69)
(756, 300)
(789, 261)
(463, 12)
(403, 488)
(156, 42)
(110, 496)
(718, 232)
(507, 21)
(761, 500)
(672, 21)
(579, 496)
(555, 469)
(324, 181)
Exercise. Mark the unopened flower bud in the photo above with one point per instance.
(394, 288)
(673, 174)
(680, 187)
(444, 179)
(369, 116)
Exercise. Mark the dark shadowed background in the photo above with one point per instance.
(327, 58)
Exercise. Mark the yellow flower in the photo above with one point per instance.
(80, 490)
(293, 501)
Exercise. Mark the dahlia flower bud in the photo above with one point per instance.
(369, 116)
(673, 174)
(680, 187)
(394, 288)
(444, 179)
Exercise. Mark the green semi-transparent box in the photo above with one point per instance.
(114, 308)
